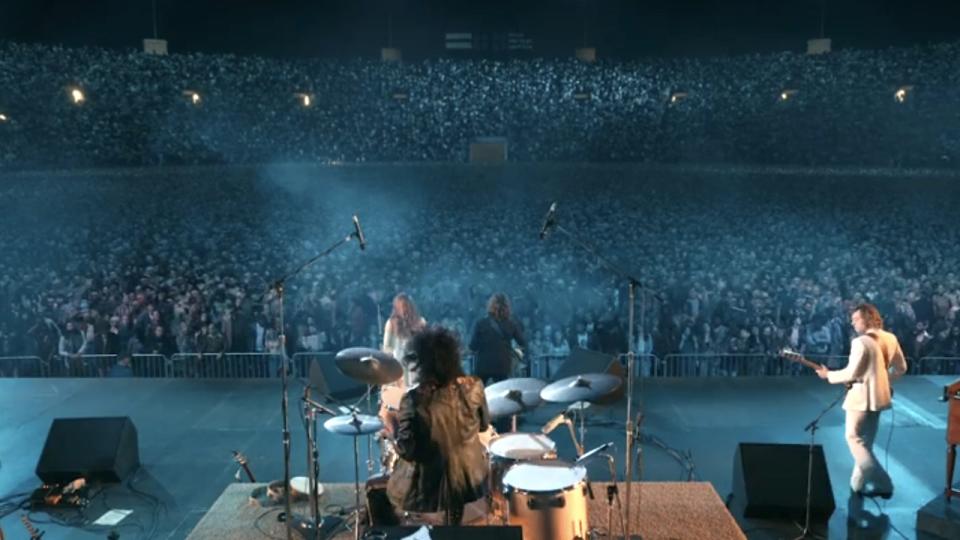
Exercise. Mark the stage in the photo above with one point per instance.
(188, 428)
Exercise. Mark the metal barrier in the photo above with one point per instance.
(83, 365)
(20, 366)
(266, 365)
(935, 365)
(224, 365)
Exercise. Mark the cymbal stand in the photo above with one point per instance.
(318, 527)
(632, 285)
(277, 287)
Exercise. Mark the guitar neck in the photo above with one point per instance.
(246, 469)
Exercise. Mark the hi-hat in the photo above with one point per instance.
(355, 425)
(525, 390)
(368, 366)
(586, 387)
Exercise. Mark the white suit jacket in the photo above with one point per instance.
(875, 360)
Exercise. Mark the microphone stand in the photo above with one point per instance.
(278, 288)
(812, 428)
(632, 285)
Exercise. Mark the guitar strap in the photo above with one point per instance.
(499, 330)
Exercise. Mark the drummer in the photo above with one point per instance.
(442, 463)
(404, 322)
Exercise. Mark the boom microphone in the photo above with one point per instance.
(548, 221)
(358, 232)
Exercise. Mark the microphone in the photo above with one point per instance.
(553, 423)
(358, 232)
(548, 221)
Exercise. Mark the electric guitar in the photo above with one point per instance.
(242, 461)
(794, 356)
(35, 534)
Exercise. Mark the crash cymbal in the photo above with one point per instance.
(348, 424)
(368, 366)
(586, 387)
(501, 406)
(527, 390)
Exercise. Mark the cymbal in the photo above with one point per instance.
(523, 389)
(586, 387)
(368, 366)
(348, 424)
(501, 406)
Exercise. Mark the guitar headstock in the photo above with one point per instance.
(787, 351)
(239, 458)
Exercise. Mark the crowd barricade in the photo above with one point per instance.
(80, 365)
(543, 366)
(935, 365)
(224, 365)
(20, 366)
(152, 366)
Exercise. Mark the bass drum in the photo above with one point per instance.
(548, 499)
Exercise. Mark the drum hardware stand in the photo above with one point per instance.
(277, 287)
(812, 427)
(632, 285)
(318, 527)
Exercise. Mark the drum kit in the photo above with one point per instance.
(528, 485)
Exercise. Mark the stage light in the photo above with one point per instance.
(304, 99)
(901, 94)
(193, 97)
(677, 97)
(76, 95)
(3, 118)
(787, 94)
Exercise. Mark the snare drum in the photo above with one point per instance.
(548, 499)
(511, 448)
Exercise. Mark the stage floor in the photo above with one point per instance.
(188, 428)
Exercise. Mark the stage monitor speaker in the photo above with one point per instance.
(327, 379)
(770, 482)
(489, 532)
(583, 361)
(103, 449)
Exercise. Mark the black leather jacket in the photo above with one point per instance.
(437, 439)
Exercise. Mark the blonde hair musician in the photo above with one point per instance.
(404, 322)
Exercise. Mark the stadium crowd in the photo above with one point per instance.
(179, 260)
(140, 109)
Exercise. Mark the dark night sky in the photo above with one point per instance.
(344, 28)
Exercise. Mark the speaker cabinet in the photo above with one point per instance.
(770, 482)
(98, 449)
(327, 379)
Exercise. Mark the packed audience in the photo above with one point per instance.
(167, 261)
(139, 109)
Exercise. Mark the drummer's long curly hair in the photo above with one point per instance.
(436, 356)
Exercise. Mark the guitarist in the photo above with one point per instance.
(492, 340)
(875, 359)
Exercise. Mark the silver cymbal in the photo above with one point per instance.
(586, 387)
(501, 406)
(526, 390)
(348, 424)
(369, 366)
